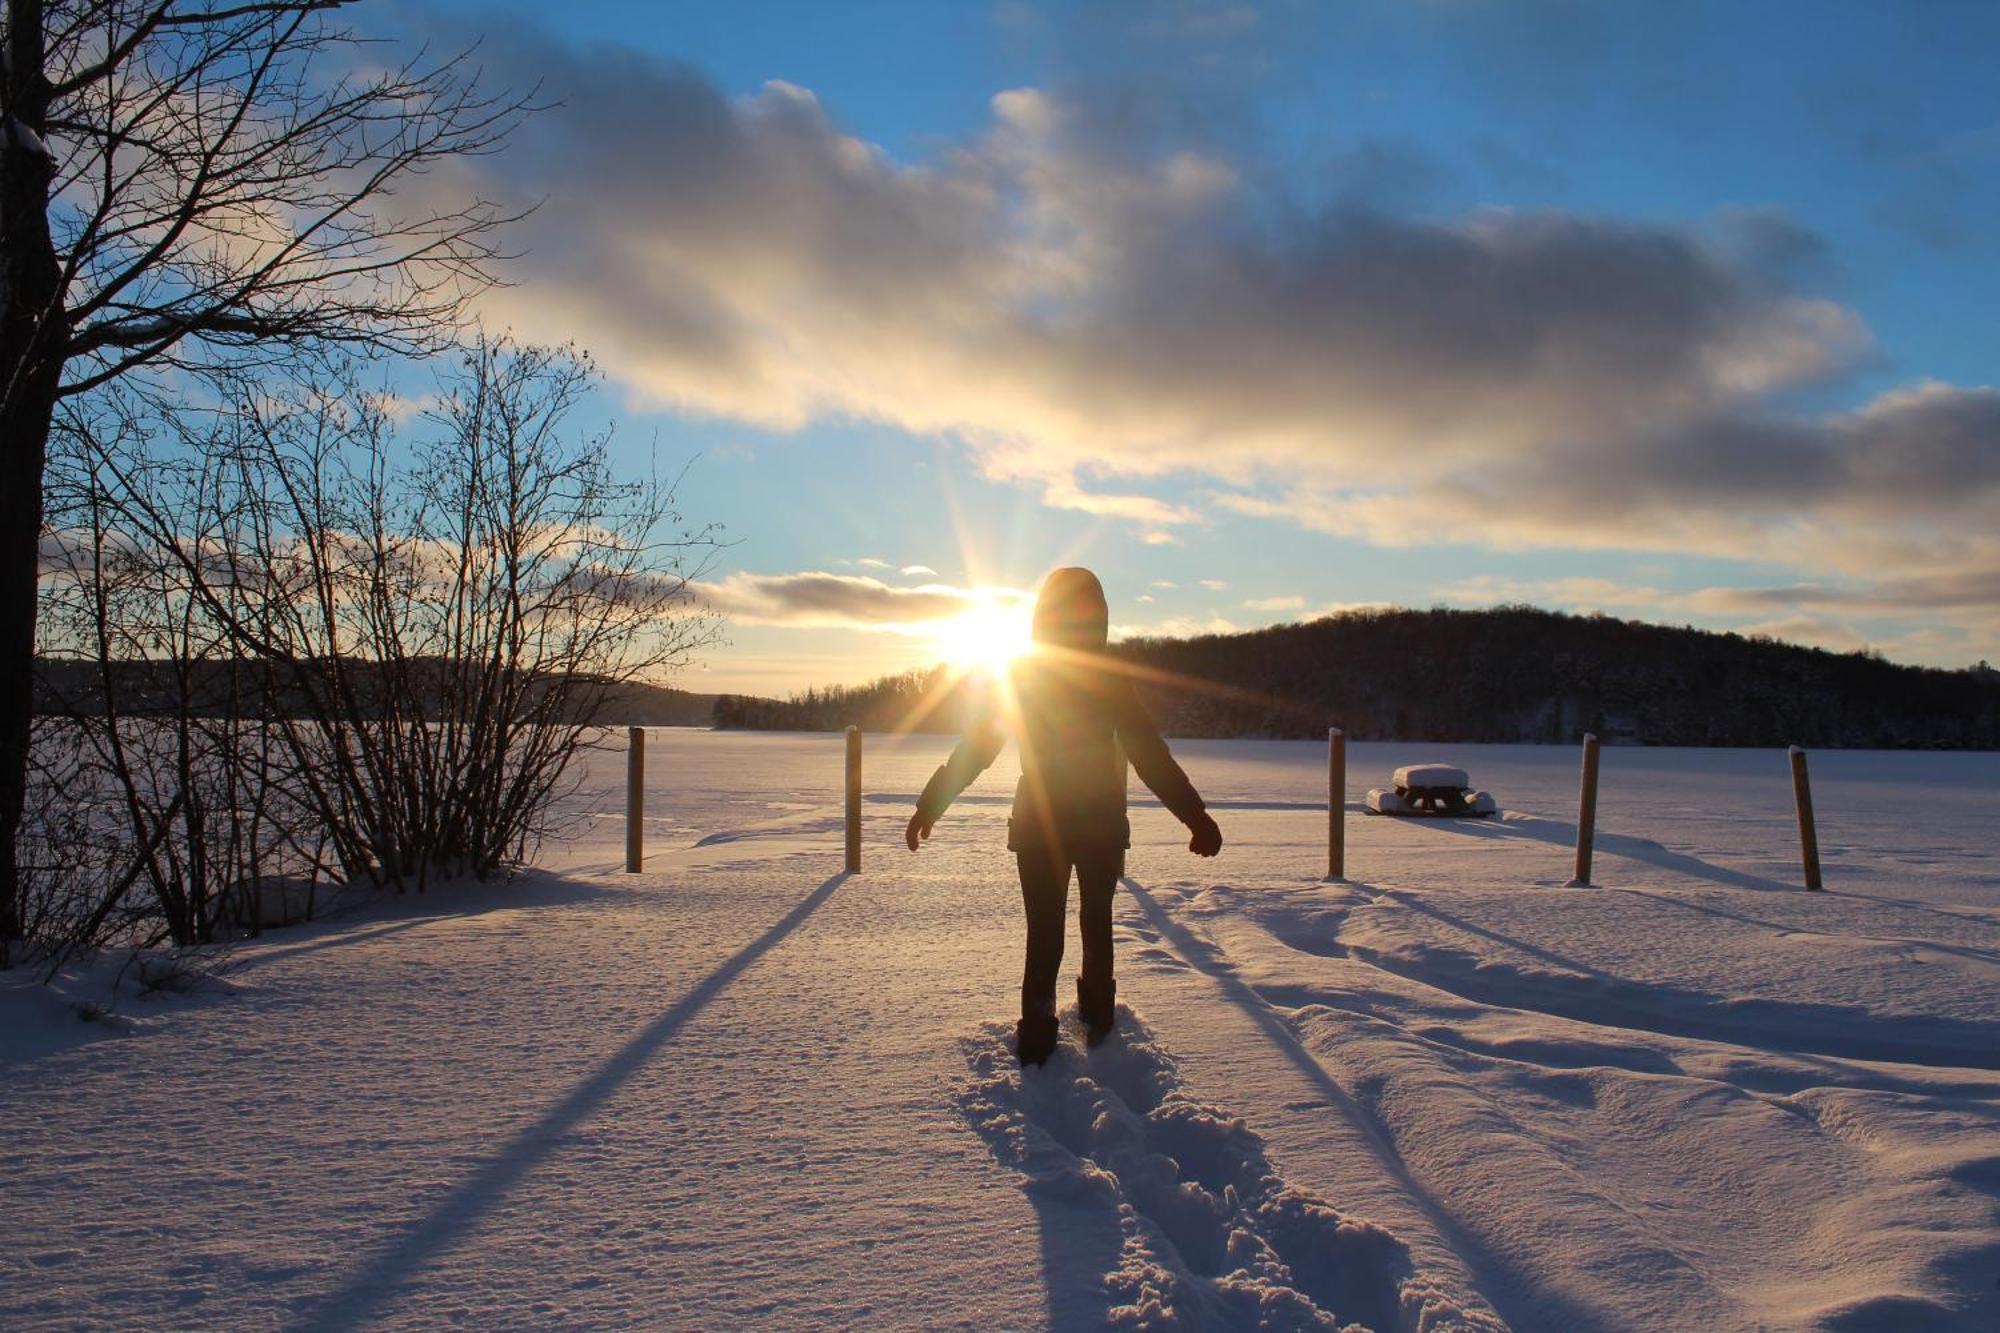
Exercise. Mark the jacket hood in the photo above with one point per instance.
(1071, 611)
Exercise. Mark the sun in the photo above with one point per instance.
(987, 637)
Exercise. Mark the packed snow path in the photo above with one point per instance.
(738, 1091)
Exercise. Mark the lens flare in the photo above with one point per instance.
(985, 638)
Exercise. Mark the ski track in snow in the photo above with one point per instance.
(740, 1091)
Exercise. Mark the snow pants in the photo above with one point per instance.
(1045, 874)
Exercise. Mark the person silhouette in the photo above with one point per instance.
(1069, 710)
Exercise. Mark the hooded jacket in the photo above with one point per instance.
(1070, 711)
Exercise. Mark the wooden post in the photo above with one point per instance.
(1586, 814)
(854, 800)
(1808, 837)
(635, 799)
(1336, 803)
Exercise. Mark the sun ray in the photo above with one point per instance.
(1141, 674)
(988, 636)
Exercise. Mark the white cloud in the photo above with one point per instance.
(1061, 491)
(1575, 593)
(1276, 604)
(1895, 616)
(918, 569)
(1214, 585)
(1812, 631)
(1178, 627)
(1905, 487)
(1090, 303)
(816, 598)
(405, 408)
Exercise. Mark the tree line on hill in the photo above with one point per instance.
(923, 700)
(213, 688)
(1509, 674)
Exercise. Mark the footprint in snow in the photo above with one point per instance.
(1208, 1234)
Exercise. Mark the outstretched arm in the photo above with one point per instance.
(1155, 765)
(975, 751)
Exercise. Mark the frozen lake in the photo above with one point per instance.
(743, 1090)
(1900, 823)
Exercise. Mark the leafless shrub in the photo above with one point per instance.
(76, 892)
(376, 644)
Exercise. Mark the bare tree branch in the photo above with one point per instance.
(229, 177)
(205, 188)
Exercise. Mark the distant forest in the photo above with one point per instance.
(154, 688)
(1510, 674)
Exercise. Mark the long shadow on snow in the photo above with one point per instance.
(1791, 1027)
(1415, 902)
(1562, 833)
(380, 914)
(1976, 915)
(1134, 802)
(403, 1255)
(1969, 952)
(1500, 1281)
(1812, 1070)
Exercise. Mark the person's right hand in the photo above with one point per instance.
(1206, 839)
(919, 829)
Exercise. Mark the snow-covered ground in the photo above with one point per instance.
(742, 1089)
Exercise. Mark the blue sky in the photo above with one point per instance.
(1683, 312)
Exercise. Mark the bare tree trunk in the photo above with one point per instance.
(33, 336)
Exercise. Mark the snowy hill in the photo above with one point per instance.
(1513, 674)
(1522, 674)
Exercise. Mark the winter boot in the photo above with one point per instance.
(1035, 1039)
(1095, 1005)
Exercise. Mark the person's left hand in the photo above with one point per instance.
(1206, 839)
(919, 829)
